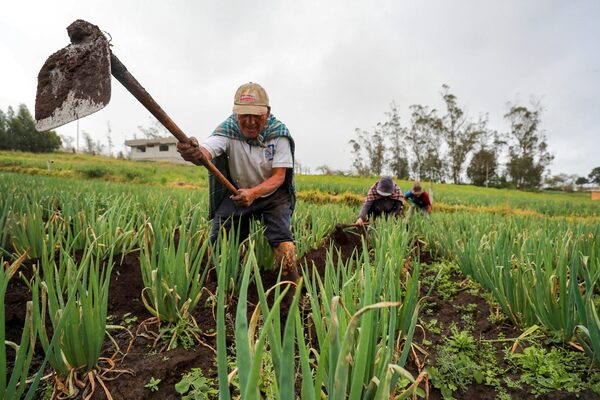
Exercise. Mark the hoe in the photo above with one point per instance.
(75, 82)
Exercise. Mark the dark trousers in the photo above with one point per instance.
(275, 211)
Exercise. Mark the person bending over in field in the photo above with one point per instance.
(256, 151)
(383, 198)
(419, 198)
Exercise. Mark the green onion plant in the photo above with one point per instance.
(77, 309)
(13, 385)
(173, 270)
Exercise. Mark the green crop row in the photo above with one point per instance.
(541, 272)
(363, 313)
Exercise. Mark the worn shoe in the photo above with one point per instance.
(285, 258)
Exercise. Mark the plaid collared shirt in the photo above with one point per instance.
(372, 196)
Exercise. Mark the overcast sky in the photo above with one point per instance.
(328, 66)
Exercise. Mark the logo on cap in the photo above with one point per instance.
(247, 97)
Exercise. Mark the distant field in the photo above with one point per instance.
(85, 166)
(312, 188)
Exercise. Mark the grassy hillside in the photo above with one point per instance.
(84, 166)
(312, 188)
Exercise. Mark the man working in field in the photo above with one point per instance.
(419, 198)
(383, 198)
(256, 151)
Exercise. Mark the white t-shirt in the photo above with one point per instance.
(251, 165)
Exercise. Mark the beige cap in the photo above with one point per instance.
(251, 98)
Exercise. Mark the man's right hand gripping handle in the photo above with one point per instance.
(191, 151)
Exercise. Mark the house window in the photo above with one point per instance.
(163, 147)
(141, 149)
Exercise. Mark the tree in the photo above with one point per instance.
(67, 142)
(327, 170)
(581, 180)
(92, 146)
(524, 172)
(433, 167)
(563, 182)
(374, 146)
(400, 167)
(324, 169)
(17, 132)
(458, 132)
(383, 149)
(594, 176)
(396, 134)
(3, 129)
(528, 151)
(109, 140)
(358, 163)
(483, 166)
(154, 130)
(423, 139)
(89, 146)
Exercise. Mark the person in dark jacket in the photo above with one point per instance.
(383, 198)
(419, 198)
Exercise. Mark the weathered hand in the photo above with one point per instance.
(244, 198)
(359, 221)
(190, 151)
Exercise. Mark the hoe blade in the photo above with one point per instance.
(75, 81)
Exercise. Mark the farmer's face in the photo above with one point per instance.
(251, 124)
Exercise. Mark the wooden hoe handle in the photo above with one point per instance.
(120, 72)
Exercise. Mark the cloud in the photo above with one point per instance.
(329, 67)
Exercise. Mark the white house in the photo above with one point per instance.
(159, 149)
